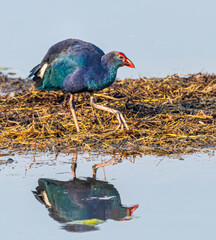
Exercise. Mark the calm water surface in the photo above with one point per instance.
(167, 198)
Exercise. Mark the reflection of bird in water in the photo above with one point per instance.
(80, 200)
(82, 203)
(96, 166)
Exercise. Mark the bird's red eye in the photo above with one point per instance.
(121, 56)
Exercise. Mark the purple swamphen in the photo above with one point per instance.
(75, 66)
(74, 203)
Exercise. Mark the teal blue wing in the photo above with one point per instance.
(63, 59)
(56, 72)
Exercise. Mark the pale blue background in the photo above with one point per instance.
(161, 37)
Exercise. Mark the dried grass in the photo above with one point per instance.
(170, 115)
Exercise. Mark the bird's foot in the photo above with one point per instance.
(122, 127)
(122, 122)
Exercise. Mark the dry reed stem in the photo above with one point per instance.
(170, 115)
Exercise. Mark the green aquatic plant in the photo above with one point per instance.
(3, 68)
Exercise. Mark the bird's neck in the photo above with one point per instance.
(110, 72)
(110, 69)
(103, 80)
(107, 75)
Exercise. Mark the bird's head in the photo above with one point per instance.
(117, 59)
(123, 60)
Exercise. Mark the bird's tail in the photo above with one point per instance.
(38, 74)
(34, 70)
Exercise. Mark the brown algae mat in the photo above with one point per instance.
(166, 115)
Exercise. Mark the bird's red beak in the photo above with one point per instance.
(132, 209)
(128, 63)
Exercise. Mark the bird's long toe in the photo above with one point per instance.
(122, 122)
(122, 125)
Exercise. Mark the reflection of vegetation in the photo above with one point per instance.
(82, 202)
(170, 115)
(4, 68)
(8, 161)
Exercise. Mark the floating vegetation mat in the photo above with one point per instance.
(176, 114)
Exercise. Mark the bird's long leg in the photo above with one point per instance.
(74, 165)
(104, 164)
(71, 103)
(120, 118)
